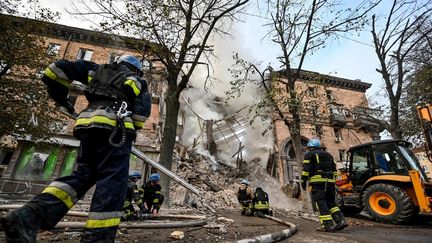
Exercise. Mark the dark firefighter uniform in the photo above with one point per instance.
(320, 170)
(152, 197)
(244, 196)
(260, 202)
(103, 158)
(132, 196)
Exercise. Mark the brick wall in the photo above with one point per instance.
(350, 136)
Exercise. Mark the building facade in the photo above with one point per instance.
(26, 165)
(332, 111)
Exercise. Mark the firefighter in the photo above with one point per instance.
(118, 105)
(132, 195)
(260, 203)
(244, 196)
(319, 170)
(151, 195)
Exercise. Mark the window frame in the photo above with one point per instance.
(50, 51)
(82, 54)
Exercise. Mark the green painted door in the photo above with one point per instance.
(69, 163)
(50, 164)
(26, 156)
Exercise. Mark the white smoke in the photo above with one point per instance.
(203, 103)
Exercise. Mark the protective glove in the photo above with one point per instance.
(303, 185)
(67, 107)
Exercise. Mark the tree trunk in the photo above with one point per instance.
(169, 136)
(394, 122)
(299, 153)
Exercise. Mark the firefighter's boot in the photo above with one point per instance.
(340, 220)
(98, 235)
(20, 225)
(326, 226)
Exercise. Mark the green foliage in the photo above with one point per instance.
(418, 92)
(25, 108)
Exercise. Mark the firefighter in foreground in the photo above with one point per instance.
(260, 203)
(132, 196)
(320, 170)
(118, 106)
(151, 195)
(244, 196)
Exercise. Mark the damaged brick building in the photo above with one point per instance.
(27, 166)
(335, 114)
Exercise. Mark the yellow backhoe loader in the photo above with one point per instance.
(386, 179)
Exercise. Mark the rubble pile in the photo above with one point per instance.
(219, 184)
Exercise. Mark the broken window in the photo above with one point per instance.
(338, 134)
(335, 110)
(36, 163)
(311, 91)
(319, 131)
(315, 112)
(31, 164)
(85, 54)
(329, 95)
(342, 154)
(53, 49)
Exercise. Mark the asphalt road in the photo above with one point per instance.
(241, 227)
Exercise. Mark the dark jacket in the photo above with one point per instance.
(101, 111)
(318, 167)
(152, 195)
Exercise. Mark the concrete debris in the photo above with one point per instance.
(227, 220)
(222, 228)
(177, 235)
(219, 185)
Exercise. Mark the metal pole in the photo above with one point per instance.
(164, 170)
(158, 166)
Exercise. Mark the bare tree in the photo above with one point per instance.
(300, 28)
(406, 25)
(177, 33)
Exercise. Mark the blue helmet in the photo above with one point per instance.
(135, 174)
(135, 62)
(154, 177)
(314, 143)
(245, 181)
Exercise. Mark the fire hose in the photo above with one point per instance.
(274, 237)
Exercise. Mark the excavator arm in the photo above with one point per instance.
(425, 116)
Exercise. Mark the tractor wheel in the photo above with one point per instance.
(388, 203)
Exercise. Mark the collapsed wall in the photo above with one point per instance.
(219, 184)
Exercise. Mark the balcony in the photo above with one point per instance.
(337, 120)
(364, 118)
(337, 116)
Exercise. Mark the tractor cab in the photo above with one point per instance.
(385, 178)
(381, 158)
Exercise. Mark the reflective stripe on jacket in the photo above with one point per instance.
(318, 167)
(60, 74)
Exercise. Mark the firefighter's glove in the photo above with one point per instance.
(303, 185)
(67, 107)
